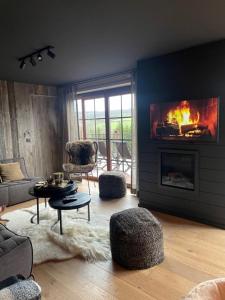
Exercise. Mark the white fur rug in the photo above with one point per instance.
(80, 238)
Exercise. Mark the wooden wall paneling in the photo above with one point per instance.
(45, 135)
(30, 126)
(25, 124)
(6, 150)
(13, 118)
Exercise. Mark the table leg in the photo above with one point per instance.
(37, 210)
(45, 202)
(89, 218)
(60, 220)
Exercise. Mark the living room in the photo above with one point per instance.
(112, 150)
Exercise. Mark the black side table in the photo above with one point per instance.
(70, 202)
(48, 191)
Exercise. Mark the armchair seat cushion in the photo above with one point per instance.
(71, 168)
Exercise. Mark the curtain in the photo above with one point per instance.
(68, 107)
(104, 82)
(134, 168)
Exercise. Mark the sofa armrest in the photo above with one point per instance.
(4, 194)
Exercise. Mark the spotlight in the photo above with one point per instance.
(39, 57)
(22, 65)
(51, 54)
(32, 61)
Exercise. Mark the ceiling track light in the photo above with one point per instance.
(22, 65)
(51, 54)
(39, 57)
(32, 61)
(38, 54)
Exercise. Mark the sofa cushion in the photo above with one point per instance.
(11, 171)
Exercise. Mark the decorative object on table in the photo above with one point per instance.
(17, 287)
(112, 184)
(209, 290)
(16, 255)
(82, 158)
(13, 192)
(70, 202)
(50, 180)
(47, 191)
(136, 239)
(89, 240)
(58, 177)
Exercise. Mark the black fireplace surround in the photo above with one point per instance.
(177, 170)
(194, 73)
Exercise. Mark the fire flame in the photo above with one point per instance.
(182, 115)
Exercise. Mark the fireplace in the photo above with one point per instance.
(178, 169)
(186, 120)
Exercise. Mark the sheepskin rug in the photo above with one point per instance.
(80, 238)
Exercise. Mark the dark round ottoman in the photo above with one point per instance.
(136, 239)
(112, 185)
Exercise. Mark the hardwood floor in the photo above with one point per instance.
(193, 253)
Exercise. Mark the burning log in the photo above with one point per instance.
(167, 129)
(192, 127)
(195, 130)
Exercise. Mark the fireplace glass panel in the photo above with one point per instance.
(178, 170)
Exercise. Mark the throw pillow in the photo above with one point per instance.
(11, 171)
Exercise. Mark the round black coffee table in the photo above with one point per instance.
(48, 191)
(75, 201)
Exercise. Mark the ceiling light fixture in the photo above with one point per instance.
(51, 54)
(32, 61)
(22, 65)
(38, 54)
(39, 57)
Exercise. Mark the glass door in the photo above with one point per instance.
(108, 121)
(120, 133)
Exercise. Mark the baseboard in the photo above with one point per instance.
(178, 213)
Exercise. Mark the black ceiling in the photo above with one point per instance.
(96, 37)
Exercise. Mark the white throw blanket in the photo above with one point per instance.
(80, 238)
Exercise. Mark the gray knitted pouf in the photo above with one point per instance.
(112, 185)
(136, 239)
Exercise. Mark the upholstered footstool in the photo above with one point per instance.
(112, 185)
(209, 290)
(136, 239)
(16, 254)
(19, 289)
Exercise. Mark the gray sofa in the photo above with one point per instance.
(16, 254)
(14, 192)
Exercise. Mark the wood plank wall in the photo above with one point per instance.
(29, 126)
(195, 73)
